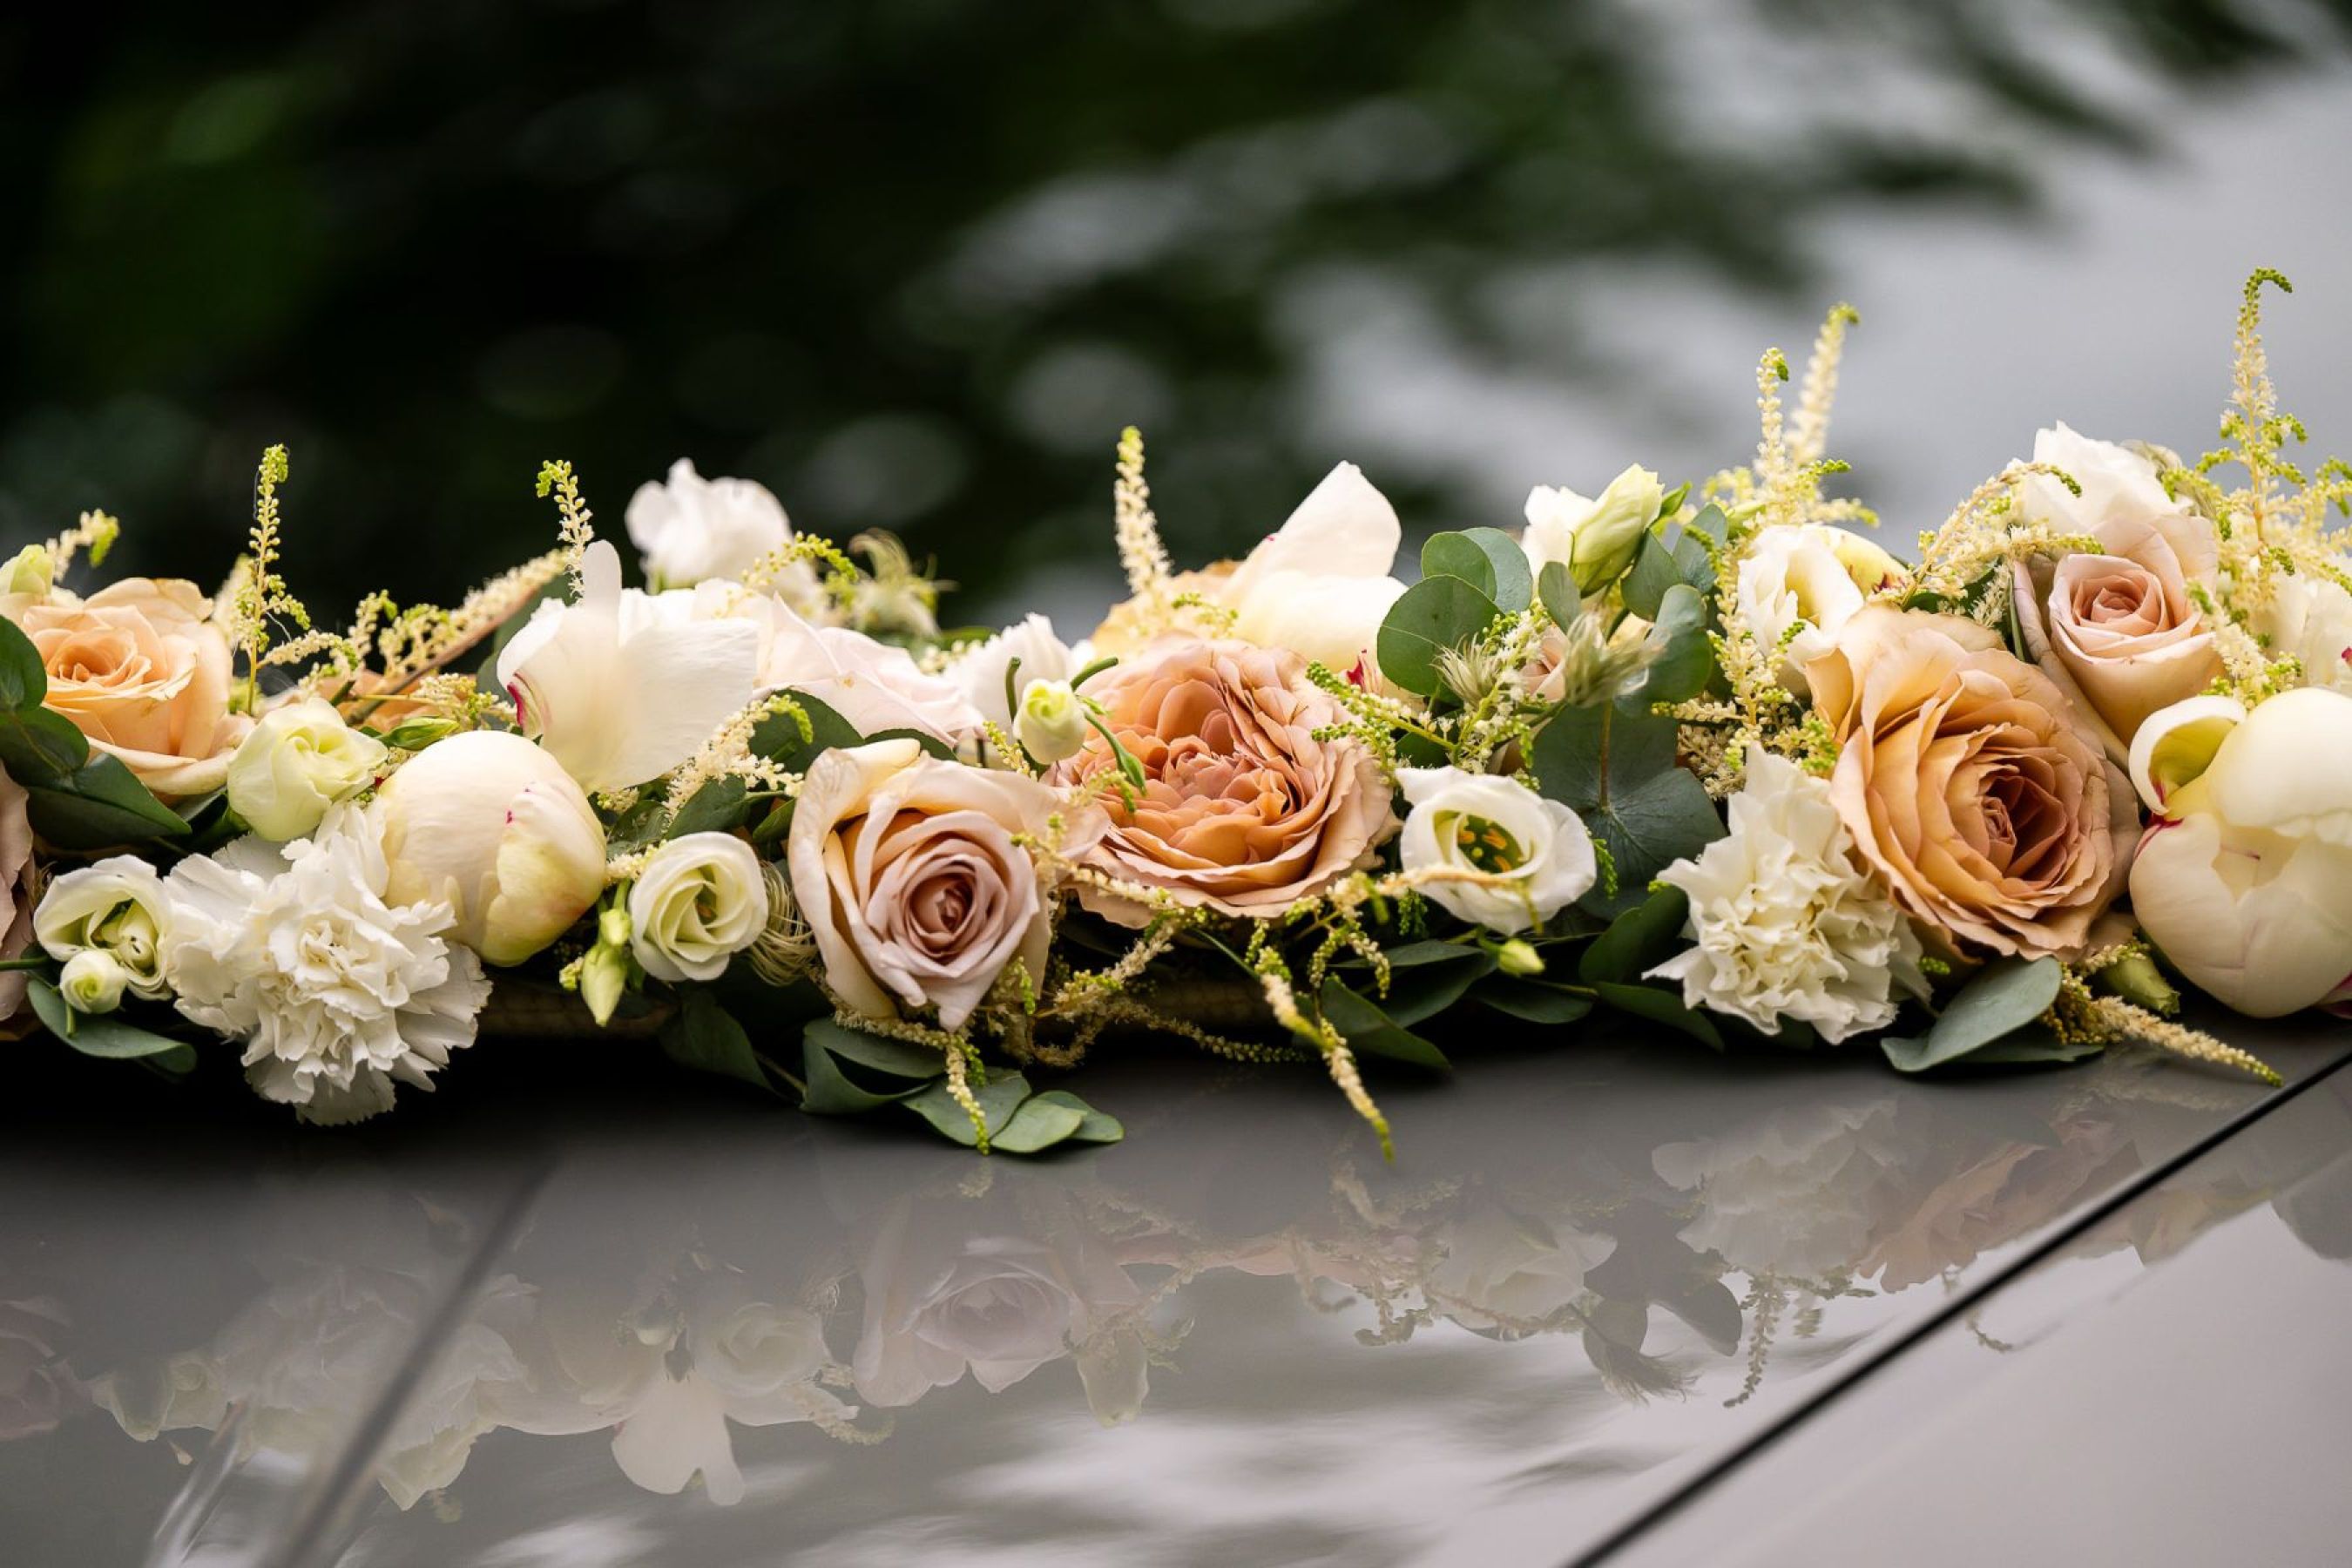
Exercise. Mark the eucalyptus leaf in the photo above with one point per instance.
(1683, 670)
(778, 738)
(1556, 588)
(2002, 998)
(1433, 616)
(105, 1034)
(24, 679)
(999, 1098)
(1660, 1007)
(1427, 977)
(1038, 1123)
(877, 1053)
(1371, 1032)
(704, 1037)
(1617, 771)
(1094, 1126)
(827, 1090)
(1488, 559)
(1661, 564)
(37, 746)
(100, 803)
(717, 807)
(1530, 1001)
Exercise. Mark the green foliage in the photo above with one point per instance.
(1684, 669)
(1371, 1032)
(1488, 559)
(106, 1035)
(849, 1072)
(1530, 1001)
(1660, 564)
(1556, 586)
(704, 1037)
(77, 799)
(1656, 1007)
(1641, 938)
(2000, 1000)
(1617, 771)
(1432, 615)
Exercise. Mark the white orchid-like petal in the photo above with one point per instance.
(1320, 585)
(618, 703)
(2175, 745)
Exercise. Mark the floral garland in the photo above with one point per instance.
(1706, 759)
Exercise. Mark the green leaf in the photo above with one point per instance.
(778, 739)
(704, 1037)
(1617, 771)
(1038, 1123)
(1371, 1032)
(716, 808)
(1094, 1126)
(1488, 559)
(106, 1034)
(1557, 588)
(1432, 615)
(100, 803)
(1682, 671)
(876, 1053)
(1641, 937)
(2003, 996)
(23, 679)
(37, 746)
(1531, 1001)
(1659, 565)
(1660, 1007)
(1427, 977)
(999, 1098)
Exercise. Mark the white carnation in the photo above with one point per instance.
(335, 991)
(1785, 926)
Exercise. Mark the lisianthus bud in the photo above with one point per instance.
(92, 982)
(699, 900)
(2135, 978)
(1595, 540)
(1053, 720)
(1518, 957)
(118, 906)
(603, 976)
(491, 825)
(299, 761)
(28, 572)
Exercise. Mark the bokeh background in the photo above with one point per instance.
(912, 263)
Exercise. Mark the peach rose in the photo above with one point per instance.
(1242, 809)
(141, 668)
(1971, 786)
(908, 872)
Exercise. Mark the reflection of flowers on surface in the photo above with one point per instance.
(1796, 1194)
(1504, 1271)
(36, 1389)
(940, 1302)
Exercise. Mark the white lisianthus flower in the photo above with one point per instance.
(1483, 822)
(699, 900)
(1595, 540)
(301, 759)
(1799, 585)
(2244, 878)
(2311, 618)
(692, 528)
(492, 826)
(92, 982)
(617, 695)
(119, 906)
(1782, 922)
(1053, 720)
(980, 673)
(336, 989)
(1321, 584)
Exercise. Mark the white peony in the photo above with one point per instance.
(1799, 585)
(699, 900)
(873, 685)
(692, 528)
(493, 827)
(300, 759)
(618, 694)
(980, 673)
(119, 906)
(1320, 585)
(335, 991)
(1485, 822)
(1595, 540)
(1784, 926)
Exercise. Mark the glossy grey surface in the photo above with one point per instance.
(671, 1329)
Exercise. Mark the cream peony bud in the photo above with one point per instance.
(1053, 722)
(1595, 540)
(118, 906)
(299, 761)
(1483, 822)
(699, 900)
(92, 982)
(491, 825)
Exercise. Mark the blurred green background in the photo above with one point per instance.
(912, 263)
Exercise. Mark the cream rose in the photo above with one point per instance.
(118, 906)
(1242, 809)
(299, 760)
(699, 900)
(1483, 822)
(142, 670)
(1799, 585)
(1968, 785)
(2115, 628)
(907, 869)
